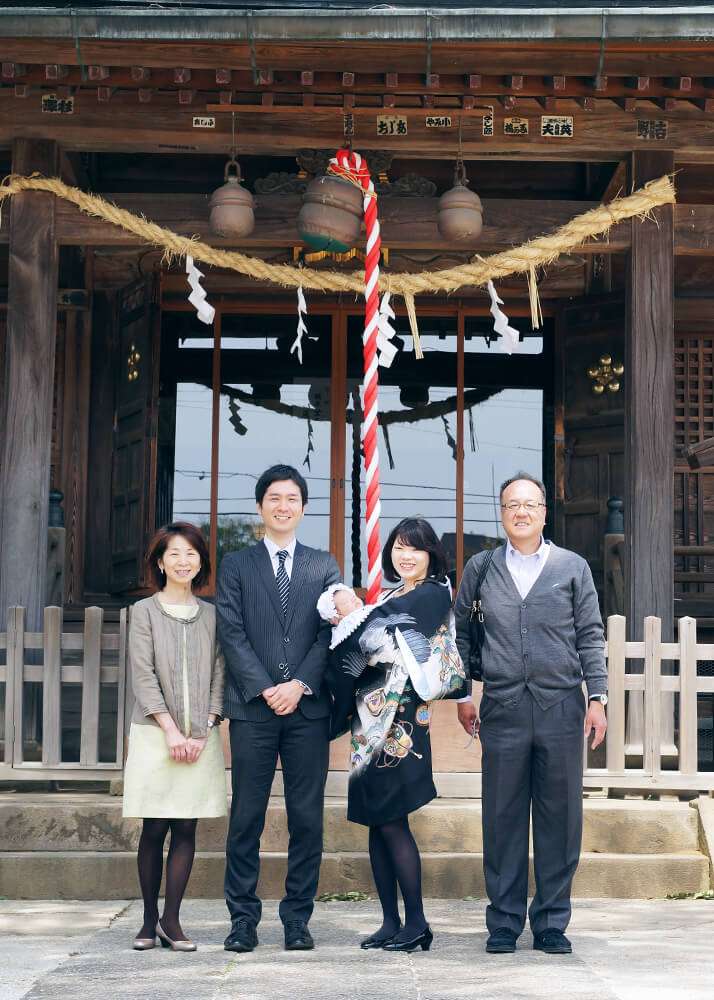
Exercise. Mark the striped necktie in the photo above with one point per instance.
(283, 580)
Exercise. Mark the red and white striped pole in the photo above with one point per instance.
(353, 167)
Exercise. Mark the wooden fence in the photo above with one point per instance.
(652, 677)
(657, 765)
(71, 667)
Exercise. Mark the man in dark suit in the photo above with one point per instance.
(276, 650)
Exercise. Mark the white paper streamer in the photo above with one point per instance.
(509, 338)
(197, 298)
(385, 331)
(301, 328)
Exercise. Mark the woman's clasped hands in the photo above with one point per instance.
(184, 749)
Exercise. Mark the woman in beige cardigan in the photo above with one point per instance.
(174, 771)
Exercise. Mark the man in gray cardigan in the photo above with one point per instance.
(543, 635)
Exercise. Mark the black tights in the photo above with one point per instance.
(178, 868)
(395, 860)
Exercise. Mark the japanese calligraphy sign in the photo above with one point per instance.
(515, 126)
(391, 125)
(557, 126)
(438, 121)
(651, 128)
(204, 121)
(54, 105)
(487, 127)
(348, 124)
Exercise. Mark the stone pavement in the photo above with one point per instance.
(624, 950)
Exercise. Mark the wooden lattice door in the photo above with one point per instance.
(590, 438)
(134, 459)
(693, 488)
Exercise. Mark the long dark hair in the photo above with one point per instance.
(417, 532)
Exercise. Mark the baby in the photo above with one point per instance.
(340, 606)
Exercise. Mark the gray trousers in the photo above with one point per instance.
(532, 762)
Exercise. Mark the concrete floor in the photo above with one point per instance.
(623, 950)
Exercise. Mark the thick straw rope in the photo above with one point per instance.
(518, 260)
(350, 166)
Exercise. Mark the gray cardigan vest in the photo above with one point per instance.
(548, 642)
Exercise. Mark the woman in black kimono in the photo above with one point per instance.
(388, 664)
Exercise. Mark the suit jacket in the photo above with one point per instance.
(258, 640)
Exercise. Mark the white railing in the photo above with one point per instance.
(87, 661)
(659, 693)
(662, 702)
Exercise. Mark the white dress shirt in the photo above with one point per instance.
(525, 570)
(273, 550)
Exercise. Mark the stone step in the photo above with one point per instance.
(446, 875)
(85, 822)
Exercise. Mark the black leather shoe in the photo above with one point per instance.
(297, 936)
(378, 940)
(552, 942)
(243, 936)
(422, 941)
(502, 941)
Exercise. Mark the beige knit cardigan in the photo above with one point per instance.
(156, 644)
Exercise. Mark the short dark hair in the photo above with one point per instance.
(418, 533)
(275, 474)
(528, 478)
(160, 542)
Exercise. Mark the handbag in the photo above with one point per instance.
(476, 620)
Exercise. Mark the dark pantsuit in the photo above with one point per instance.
(532, 761)
(303, 747)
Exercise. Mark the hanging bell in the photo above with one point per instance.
(231, 205)
(331, 215)
(460, 217)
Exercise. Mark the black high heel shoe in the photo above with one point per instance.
(377, 940)
(422, 941)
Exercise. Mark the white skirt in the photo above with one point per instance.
(157, 787)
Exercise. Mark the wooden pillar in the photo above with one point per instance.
(649, 434)
(29, 374)
(75, 425)
(649, 419)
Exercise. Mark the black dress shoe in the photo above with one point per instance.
(378, 940)
(422, 941)
(553, 942)
(297, 936)
(502, 941)
(243, 936)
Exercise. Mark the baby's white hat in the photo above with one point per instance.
(326, 602)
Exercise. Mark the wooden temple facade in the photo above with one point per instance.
(117, 397)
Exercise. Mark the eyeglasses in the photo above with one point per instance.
(530, 505)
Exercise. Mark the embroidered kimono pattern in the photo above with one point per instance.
(383, 676)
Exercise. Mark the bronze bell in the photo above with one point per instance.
(460, 217)
(231, 205)
(331, 215)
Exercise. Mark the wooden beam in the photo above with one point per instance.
(29, 375)
(604, 133)
(649, 375)
(408, 223)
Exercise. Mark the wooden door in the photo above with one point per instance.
(134, 447)
(589, 428)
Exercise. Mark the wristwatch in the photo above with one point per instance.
(602, 698)
(211, 724)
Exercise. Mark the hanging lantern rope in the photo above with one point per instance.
(351, 167)
(538, 252)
